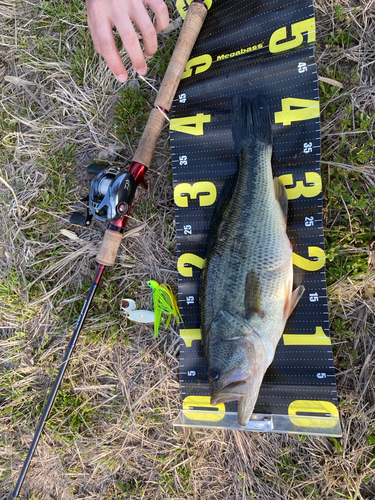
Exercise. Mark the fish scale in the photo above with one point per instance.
(247, 281)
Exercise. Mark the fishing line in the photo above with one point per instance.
(155, 107)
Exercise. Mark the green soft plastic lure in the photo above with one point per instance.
(164, 303)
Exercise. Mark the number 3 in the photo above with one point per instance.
(300, 189)
(204, 190)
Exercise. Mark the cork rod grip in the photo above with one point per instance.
(195, 17)
(109, 248)
(150, 137)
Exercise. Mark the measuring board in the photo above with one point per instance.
(249, 48)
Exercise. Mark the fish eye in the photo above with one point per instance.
(214, 374)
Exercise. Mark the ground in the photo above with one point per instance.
(110, 435)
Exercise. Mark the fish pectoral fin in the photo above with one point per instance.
(281, 195)
(253, 295)
(292, 301)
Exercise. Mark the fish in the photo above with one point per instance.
(247, 281)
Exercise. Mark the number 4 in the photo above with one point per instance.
(190, 124)
(303, 109)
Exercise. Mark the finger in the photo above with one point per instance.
(131, 43)
(107, 48)
(104, 43)
(160, 10)
(147, 29)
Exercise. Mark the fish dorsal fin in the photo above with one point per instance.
(292, 301)
(222, 204)
(253, 295)
(224, 198)
(281, 195)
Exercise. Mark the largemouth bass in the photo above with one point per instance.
(247, 282)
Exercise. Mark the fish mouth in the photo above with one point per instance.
(241, 387)
(232, 388)
(232, 392)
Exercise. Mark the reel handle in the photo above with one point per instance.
(193, 22)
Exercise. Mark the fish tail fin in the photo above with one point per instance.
(251, 121)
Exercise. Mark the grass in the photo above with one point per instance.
(131, 114)
(349, 194)
(110, 434)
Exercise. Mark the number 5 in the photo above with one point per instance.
(305, 26)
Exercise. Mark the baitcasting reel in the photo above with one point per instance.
(111, 195)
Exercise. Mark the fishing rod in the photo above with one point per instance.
(112, 192)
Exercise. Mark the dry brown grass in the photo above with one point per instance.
(111, 434)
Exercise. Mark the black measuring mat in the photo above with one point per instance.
(250, 48)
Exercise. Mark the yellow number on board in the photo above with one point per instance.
(190, 124)
(188, 335)
(192, 260)
(199, 404)
(307, 264)
(181, 5)
(318, 338)
(197, 65)
(300, 189)
(305, 26)
(303, 109)
(205, 191)
(324, 409)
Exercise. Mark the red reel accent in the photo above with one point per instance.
(138, 172)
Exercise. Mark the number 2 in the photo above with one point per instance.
(187, 260)
(307, 264)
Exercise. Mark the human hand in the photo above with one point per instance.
(103, 15)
